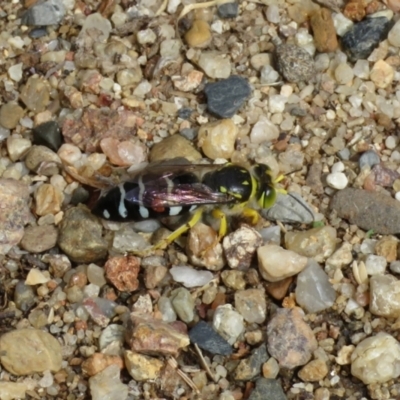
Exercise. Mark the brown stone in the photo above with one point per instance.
(122, 272)
(387, 247)
(314, 371)
(279, 289)
(98, 362)
(324, 31)
(149, 336)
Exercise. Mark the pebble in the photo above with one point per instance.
(368, 210)
(141, 367)
(96, 22)
(394, 35)
(199, 35)
(217, 139)
(13, 390)
(387, 248)
(272, 14)
(38, 239)
(188, 82)
(99, 362)
(226, 97)
(363, 37)
(270, 368)
(10, 114)
(48, 134)
(95, 275)
(111, 339)
(35, 94)
(40, 351)
(369, 158)
(233, 279)
(24, 296)
(208, 339)
(42, 160)
(294, 63)
(215, 65)
(290, 340)
(172, 147)
(36, 277)
(190, 277)
(264, 131)
(153, 337)
(276, 263)
(376, 359)
(48, 199)
(123, 272)
(14, 213)
(165, 307)
(154, 275)
(49, 12)
(267, 389)
(240, 247)
(291, 208)
(126, 240)
(228, 10)
(384, 296)
(17, 147)
(107, 385)
(318, 243)
(228, 323)
(123, 153)
(337, 180)
(183, 304)
(324, 31)
(375, 265)
(382, 74)
(251, 305)
(314, 292)
(250, 367)
(314, 371)
(344, 74)
(341, 257)
(268, 75)
(79, 223)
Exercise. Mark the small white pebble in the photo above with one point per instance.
(391, 142)
(331, 115)
(337, 167)
(397, 196)
(337, 180)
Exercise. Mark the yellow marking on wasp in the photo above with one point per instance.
(246, 183)
(222, 189)
(252, 214)
(223, 225)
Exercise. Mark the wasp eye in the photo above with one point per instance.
(268, 198)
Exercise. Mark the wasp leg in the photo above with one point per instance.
(253, 215)
(223, 224)
(180, 231)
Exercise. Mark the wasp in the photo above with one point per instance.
(177, 188)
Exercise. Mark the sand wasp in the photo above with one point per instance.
(176, 188)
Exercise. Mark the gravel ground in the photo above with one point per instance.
(303, 303)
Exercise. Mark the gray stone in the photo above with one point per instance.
(250, 367)
(314, 292)
(370, 158)
(50, 12)
(48, 134)
(228, 10)
(224, 98)
(267, 389)
(365, 36)
(107, 385)
(290, 208)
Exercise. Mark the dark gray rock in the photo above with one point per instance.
(267, 389)
(207, 339)
(369, 158)
(37, 33)
(289, 208)
(225, 97)
(365, 36)
(48, 134)
(228, 10)
(80, 195)
(368, 210)
(185, 112)
(50, 12)
(250, 367)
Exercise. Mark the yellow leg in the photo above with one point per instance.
(223, 225)
(180, 231)
(251, 214)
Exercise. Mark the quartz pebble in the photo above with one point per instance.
(337, 180)
(95, 22)
(228, 323)
(190, 277)
(215, 65)
(48, 199)
(39, 350)
(276, 263)
(13, 390)
(314, 292)
(141, 367)
(217, 139)
(382, 74)
(251, 305)
(107, 385)
(375, 264)
(35, 94)
(183, 304)
(172, 147)
(385, 296)
(17, 147)
(10, 114)
(38, 239)
(264, 131)
(226, 96)
(376, 359)
(394, 35)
